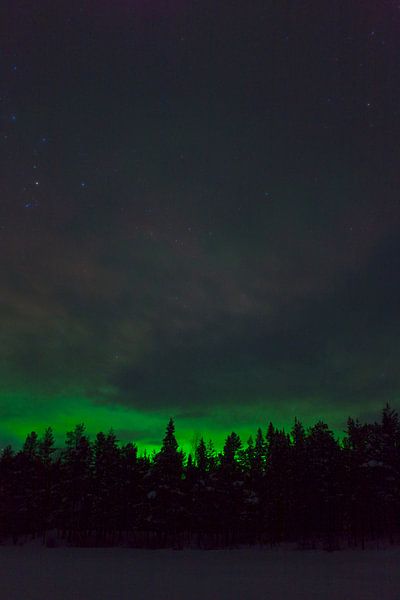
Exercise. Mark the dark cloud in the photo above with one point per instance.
(199, 211)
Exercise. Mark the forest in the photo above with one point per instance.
(305, 486)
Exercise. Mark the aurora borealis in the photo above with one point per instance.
(199, 215)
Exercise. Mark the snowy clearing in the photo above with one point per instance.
(38, 573)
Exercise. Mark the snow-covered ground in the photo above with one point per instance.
(37, 573)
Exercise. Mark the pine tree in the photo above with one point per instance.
(203, 510)
(76, 474)
(167, 514)
(358, 484)
(231, 489)
(246, 455)
(106, 480)
(232, 448)
(324, 484)
(48, 497)
(259, 453)
(389, 456)
(31, 445)
(8, 513)
(46, 446)
(202, 459)
(27, 482)
(298, 494)
(278, 475)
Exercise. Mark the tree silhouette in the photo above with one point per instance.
(167, 511)
(76, 484)
(306, 487)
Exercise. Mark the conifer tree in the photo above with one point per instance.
(106, 479)
(8, 513)
(27, 481)
(278, 474)
(202, 457)
(324, 486)
(231, 488)
(167, 475)
(76, 474)
(389, 456)
(298, 483)
(259, 452)
(46, 446)
(48, 497)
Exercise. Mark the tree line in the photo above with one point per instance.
(304, 486)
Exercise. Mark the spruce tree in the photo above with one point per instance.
(167, 513)
(48, 492)
(8, 512)
(202, 460)
(76, 474)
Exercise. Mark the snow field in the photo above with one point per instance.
(37, 573)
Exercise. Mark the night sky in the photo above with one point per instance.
(199, 215)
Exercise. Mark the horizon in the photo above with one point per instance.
(187, 440)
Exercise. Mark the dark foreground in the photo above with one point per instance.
(37, 573)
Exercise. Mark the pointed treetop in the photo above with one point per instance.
(31, 444)
(233, 445)
(169, 441)
(46, 445)
(7, 453)
(270, 432)
(201, 455)
(298, 432)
